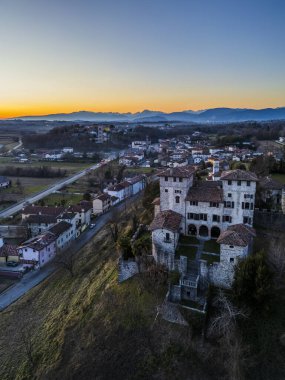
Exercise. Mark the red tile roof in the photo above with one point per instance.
(239, 175)
(238, 235)
(206, 191)
(180, 171)
(170, 220)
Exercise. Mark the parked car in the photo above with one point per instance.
(12, 264)
(92, 225)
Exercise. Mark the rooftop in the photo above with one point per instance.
(170, 220)
(206, 191)
(180, 171)
(59, 228)
(238, 234)
(239, 175)
(39, 242)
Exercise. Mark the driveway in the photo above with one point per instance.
(34, 278)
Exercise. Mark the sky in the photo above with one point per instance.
(131, 55)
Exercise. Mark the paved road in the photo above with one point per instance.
(57, 186)
(34, 278)
(17, 146)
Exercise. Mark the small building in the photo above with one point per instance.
(39, 250)
(102, 203)
(84, 209)
(64, 233)
(165, 229)
(4, 182)
(270, 191)
(38, 223)
(8, 252)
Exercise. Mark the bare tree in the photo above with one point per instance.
(224, 327)
(114, 223)
(276, 258)
(66, 261)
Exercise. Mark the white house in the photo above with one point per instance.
(39, 250)
(121, 190)
(102, 203)
(137, 183)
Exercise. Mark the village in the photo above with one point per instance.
(203, 219)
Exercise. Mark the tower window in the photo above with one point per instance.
(177, 199)
(166, 190)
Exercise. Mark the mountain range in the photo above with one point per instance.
(213, 115)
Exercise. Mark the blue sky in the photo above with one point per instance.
(121, 55)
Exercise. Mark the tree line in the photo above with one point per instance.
(34, 172)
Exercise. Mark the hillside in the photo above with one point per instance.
(88, 326)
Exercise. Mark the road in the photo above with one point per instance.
(42, 194)
(34, 278)
(17, 146)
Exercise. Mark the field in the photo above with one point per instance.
(70, 167)
(279, 177)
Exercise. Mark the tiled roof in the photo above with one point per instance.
(238, 175)
(39, 218)
(206, 191)
(238, 234)
(67, 215)
(103, 197)
(44, 210)
(179, 171)
(59, 228)
(170, 220)
(39, 242)
(83, 205)
(8, 250)
(269, 183)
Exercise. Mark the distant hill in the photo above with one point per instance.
(209, 115)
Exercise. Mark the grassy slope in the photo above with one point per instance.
(88, 326)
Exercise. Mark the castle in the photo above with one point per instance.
(221, 210)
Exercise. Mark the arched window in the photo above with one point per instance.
(177, 199)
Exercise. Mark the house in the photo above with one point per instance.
(39, 250)
(84, 209)
(137, 183)
(102, 203)
(72, 218)
(41, 210)
(121, 190)
(270, 191)
(4, 182)
(38, 223)
(64, 233)
(8, 252)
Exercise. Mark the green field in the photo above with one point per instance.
(65, 199)
(71, 167)
(279, 177)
